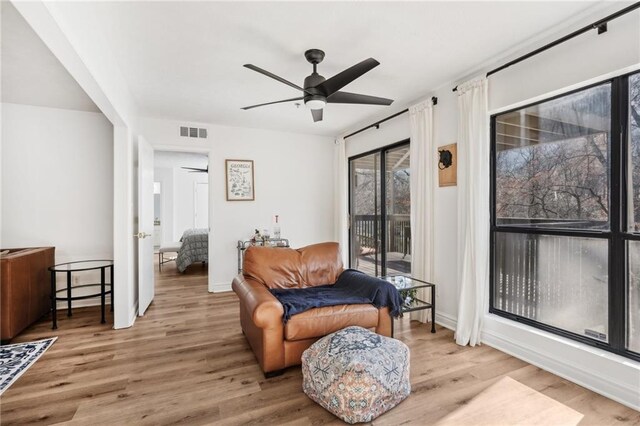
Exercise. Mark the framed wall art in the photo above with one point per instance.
(240, 181)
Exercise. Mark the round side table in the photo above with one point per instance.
(72, 267)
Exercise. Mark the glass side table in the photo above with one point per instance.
(408, 287)
(80, 266)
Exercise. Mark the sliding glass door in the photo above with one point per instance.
(398, 208)
(365, 203)
(380, 227)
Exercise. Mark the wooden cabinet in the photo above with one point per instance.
(25, 288)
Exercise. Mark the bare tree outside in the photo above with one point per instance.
(553, 168)
(552, 171)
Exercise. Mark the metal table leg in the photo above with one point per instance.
(68, 293)
(433, 309)
(112, 289)
(102, 294)
(54, 311)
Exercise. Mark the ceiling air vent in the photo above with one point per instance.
(193, 132)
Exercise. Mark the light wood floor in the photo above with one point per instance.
(187, 361)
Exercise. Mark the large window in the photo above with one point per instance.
(380, 229)
(566, 215)
(633, 215)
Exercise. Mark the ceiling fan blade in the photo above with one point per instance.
(196, 169)
(338, 81)
(355, 98)
(273, 76)
(271, 103)
(317, 115)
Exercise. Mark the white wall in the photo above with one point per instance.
(84, 54)
(576, 62)
(184, 200)
(164, 175)
(293, 179)
(57, 181)
(178, 201)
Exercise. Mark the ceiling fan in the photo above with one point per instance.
(196, 169)
(318, 91)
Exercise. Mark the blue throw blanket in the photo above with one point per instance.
(352, 287)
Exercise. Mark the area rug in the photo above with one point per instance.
(509, 402)
(16, 359)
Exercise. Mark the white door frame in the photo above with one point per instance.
(209, 153)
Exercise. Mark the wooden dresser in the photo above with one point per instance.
(25, 288)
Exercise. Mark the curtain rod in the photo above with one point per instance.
(600, 25)
(377, 124)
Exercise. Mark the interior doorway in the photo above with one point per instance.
(181, 212)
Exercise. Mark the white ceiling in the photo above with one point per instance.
(31, 74)
(183, 60)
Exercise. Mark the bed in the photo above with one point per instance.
(194, 248)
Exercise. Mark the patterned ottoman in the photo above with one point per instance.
(356, 374)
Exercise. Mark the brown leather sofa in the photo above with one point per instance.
(277, 345)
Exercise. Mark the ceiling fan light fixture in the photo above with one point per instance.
(315, 104)
(317, 91)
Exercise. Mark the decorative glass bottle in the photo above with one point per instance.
(276, 229)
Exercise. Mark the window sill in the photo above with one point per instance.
(606, 373)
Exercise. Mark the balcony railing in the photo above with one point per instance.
(557, 280)
(366, 229)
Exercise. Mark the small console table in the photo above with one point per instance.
(80, 266)
(272, 242)
(408, 287)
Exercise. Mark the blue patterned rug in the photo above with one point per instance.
(16, 359)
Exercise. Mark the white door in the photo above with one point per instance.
(201, 205)
(146, 285)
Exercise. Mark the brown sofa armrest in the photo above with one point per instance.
(265, 310)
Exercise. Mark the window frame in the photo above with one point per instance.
(617, 235)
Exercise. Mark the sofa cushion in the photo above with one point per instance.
(273, 266)
(322, 264)
(319, 322)
(277, 267)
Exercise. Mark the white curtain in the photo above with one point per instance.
(341, 214)
(473, 210)
(422, 155)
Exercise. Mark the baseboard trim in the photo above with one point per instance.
(60, 306)
(446, 320)
(134, 312)
(220, 287)
(595, 380)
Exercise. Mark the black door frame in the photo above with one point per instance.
(383, 205)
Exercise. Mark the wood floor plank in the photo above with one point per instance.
(186, 361)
